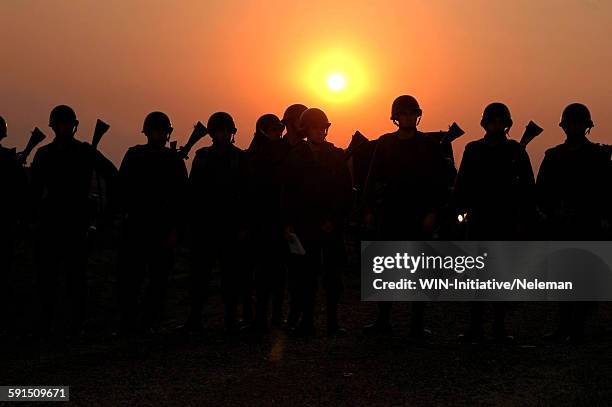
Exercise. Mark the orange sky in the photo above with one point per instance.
(120, 59)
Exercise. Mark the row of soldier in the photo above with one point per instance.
(286, 203)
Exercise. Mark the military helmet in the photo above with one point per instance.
(496, 109)
(293, 113)
(576, 112)
(62, 114)
(157, 121)
(267, 121)
(220, 121)
(403, 103)
(313, 118)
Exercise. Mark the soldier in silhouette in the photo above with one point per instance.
(219, 192)
(495, 186)
(266, 153)
(406, 188)
(13, 183)
(573, 194)
(153, 187)
(61, 179)
(292, 136)
(291, 120)
(316, 199)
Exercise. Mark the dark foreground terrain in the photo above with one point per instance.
(252, 370)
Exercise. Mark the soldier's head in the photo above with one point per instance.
(63, 121)
(270, 126)
(3, 128)
(314, 125)
(157, 127)
(291, 119)
(221, 128)
(496, 119)
(576, 120)
(406, 112)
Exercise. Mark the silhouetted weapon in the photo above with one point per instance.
(452, 134)
(357, 140)
(96, 198)
(531, 131)
(198, 133)
(35, 139)
(99, 131)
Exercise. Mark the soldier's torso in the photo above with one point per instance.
(65, 174)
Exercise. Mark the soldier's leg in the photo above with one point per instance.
(160, 262)
(263, 285)
(47, 274)
(231, 286)
(294, 263)
(334, 260)
(475, 331)
(499, 320)
(130, 272)
(203, 258)
(76, 275)
(309, 279)
(6, 295)
(245, 269)
(278, 275)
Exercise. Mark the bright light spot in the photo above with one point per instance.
(333, 75)
(336, 82)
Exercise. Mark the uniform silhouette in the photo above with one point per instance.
(316, 199)
(407, 186)
(153, 187)
(573, 193)
(13, 184)
(61, 179)
(495, 186)
(219, 200)
(266, 153)
(292, 136)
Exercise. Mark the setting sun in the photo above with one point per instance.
(336, 82)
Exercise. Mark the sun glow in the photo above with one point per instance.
(335, 76)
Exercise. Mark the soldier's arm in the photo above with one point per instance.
(373, 179)
(543, 189)
(123, 185)
(107, 170)
(37, 183)
(463, 182)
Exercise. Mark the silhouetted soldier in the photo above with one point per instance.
(267, 152)
(292, 136)
(495, 187)
(219, 188)
(61, 180)
(291, 120)
(13, 184)
(407, 187)
(573, 193)
(153, 187)
(317, 198)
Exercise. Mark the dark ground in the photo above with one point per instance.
(253, 370)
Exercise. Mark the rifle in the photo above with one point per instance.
(35, 139)
(99, 131)
(452, 134)
(532, 130)
(97, 201)
(357, 141)
(198, 133)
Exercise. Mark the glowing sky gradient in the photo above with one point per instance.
(120, 59)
